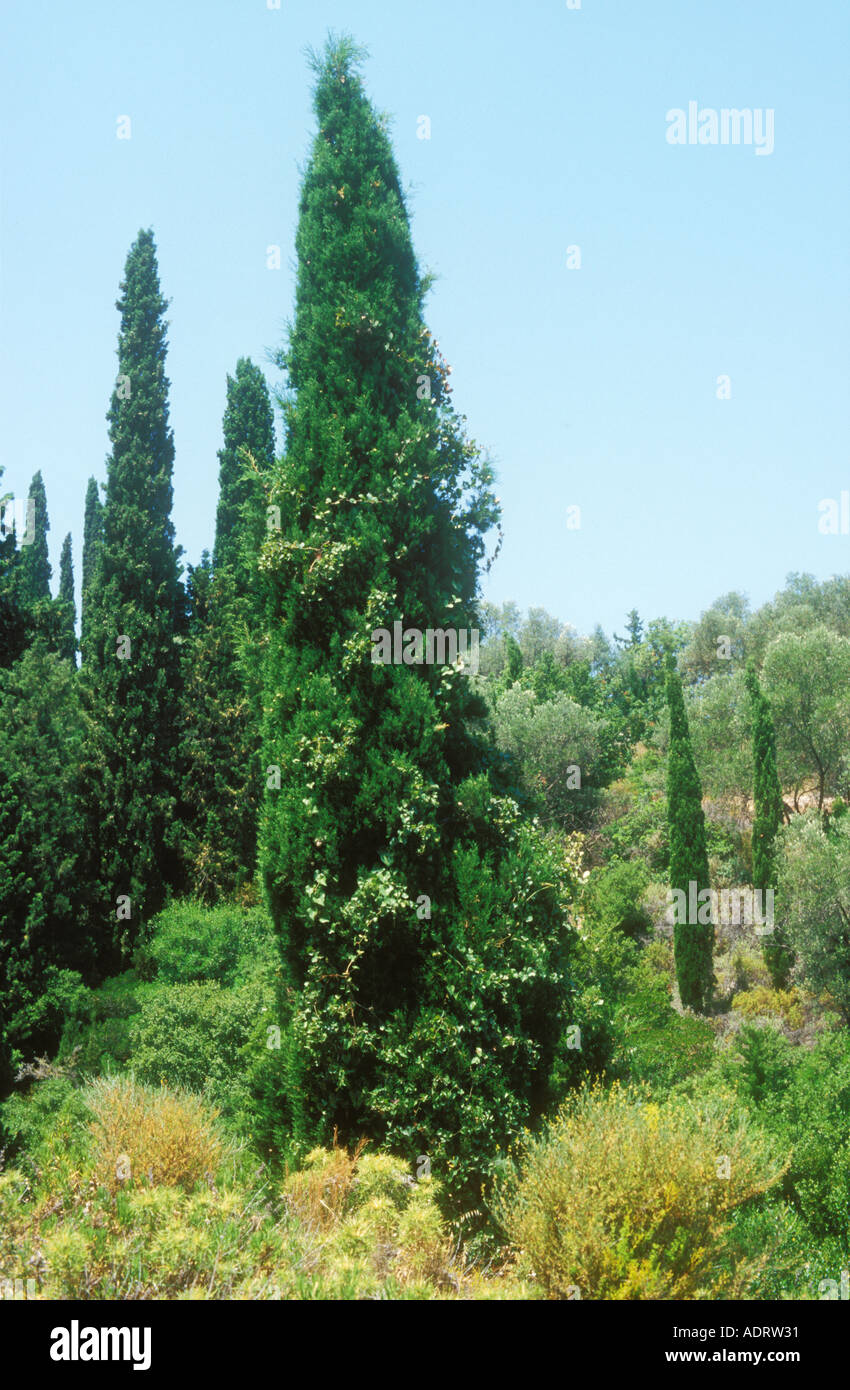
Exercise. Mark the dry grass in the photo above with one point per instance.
(160, 1138)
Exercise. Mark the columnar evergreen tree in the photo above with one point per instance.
(223, 694)
(66, 604)
(693, 941)
(767, 802)
(35, 566)
(131, 670)
(425, 975)
(245, 464)
(92, 539)
(14, 624)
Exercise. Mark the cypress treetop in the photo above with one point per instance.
(66, 604)
(92, 538)
(35, 565)
(248, 429)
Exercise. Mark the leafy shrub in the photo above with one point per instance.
(191, 942)
(622, 1198)
(191, 1036)
(763, 1001)
(97, 1028)
(809, 1111)
(762, 1062)
(372, 1214)
(550, 739)
(652, 1042)
(613, 895)
(814, 897)
(49, 1108)
(158, 1137)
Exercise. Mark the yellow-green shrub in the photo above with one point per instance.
(761, 1001)
(160, 1137)
(373, 1220)
(626, 1199)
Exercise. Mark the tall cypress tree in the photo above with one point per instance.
(132, 669)
(223, 695)
(92, 540)
(245, 464)
(35, 566)
(14, 622)
(692, 941)
(767, 802)
(66, 604)
(389, 866)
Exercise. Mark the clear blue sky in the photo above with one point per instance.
(593, 387)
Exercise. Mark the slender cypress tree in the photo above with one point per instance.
(223, 692)
(245, 464)
(385, 856)
(132, 668)
(693, 941)
(14, 624)
(92, 539)
(35, 566)
(767, 802)
(67, 606)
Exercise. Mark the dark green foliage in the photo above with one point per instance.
(803, 1097)
(92, 541)
(420, 1030)
(35, 566)
(41, 882)
(132, 691)
(693, 943)
(767, 799)
(220, 741)
(6, 1069)
(65, 603)
(614, 896)
(652, 1042)
(222, 707)
(30, 1119)
(763, 1061)
(192, 1036)
(14, 622)
(514, 662)
(245, 464)
(226, 943)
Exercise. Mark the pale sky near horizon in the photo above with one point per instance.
(593, 387)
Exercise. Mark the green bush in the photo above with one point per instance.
(652, 1042)
(227, 943)
(613, 895)
(623, 1199)
(814, 901)
(192, 1035)
(38, 1022)
(97, 1026)
(762, 1064)
(47, 1108)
